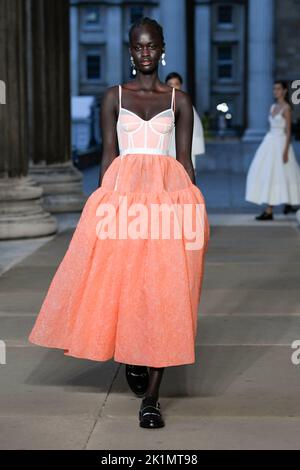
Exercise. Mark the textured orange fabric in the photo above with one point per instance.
(131, 299)
(134, 300)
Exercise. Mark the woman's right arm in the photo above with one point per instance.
(287, 113)
(108, 122)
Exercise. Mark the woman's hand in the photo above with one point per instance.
(285, 156)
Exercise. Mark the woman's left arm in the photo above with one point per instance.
(287, 113)
(184, 116)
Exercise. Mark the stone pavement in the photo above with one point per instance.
(242, 392)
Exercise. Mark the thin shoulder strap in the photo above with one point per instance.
(283, 108)
(120, 96)
(173, 99)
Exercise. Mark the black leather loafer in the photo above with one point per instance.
(150, 416)
(264, 216)
(289, 208)
(137, 378)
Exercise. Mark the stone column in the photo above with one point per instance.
(75, 57)
(173, 21)
(21, 212)
(50, 133)
(114, 49)
(202, 54)
(260, 67)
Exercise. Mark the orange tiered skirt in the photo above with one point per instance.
(134, 300)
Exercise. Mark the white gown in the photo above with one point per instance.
(198, 146)
(269, 179)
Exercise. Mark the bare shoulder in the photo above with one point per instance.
(110, 94)
(183, 100)
(110, 101)
(287, 109)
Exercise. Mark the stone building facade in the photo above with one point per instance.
(287, 39)
(226, 51)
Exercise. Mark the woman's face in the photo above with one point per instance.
(146, 48)
(278, 91)
(175, 83)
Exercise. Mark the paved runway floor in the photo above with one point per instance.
(242, 392)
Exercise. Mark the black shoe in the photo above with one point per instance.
(137, 378)
(264, 216)
(288, 208)
(150, 416)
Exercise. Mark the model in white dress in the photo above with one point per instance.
(270, 179)
(198, 146)
(174, 80)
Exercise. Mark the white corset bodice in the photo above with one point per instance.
(277, 122)
(135, 135)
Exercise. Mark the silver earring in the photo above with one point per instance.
(133, 66)
(163, 59)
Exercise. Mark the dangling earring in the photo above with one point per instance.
(133, 66)
(163, 62)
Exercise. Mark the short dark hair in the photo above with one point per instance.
(285, 86)
(174, 75)
(145, 20)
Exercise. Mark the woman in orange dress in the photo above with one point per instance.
(128, 287)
